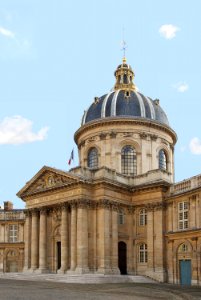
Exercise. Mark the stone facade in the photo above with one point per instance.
(11, 238)
(97, 218)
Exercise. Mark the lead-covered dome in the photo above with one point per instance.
(125, 101)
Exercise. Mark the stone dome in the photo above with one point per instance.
(125, 101)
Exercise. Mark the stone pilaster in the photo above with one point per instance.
(64, 240)
(43, 242)
(115, 269)
(34, 241)
(130, 248)
(73, 237)
(150, 242)
(1, 260)
(82, 239)
(155, 244)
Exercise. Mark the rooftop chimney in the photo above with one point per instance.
(8, 205)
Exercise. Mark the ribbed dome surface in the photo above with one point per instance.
(121, 103)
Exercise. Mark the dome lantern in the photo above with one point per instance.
(124, 77)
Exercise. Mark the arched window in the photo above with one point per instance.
(128, 160)
(92, 160)
(162, 160)
(183, 248)
(143, 253)
(143, 217)
(121, 217)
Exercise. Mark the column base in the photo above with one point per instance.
(30, 270)
(81, 270)
(115, 271)
(41, 271)
(26, 270)
(105, 271)
(61, 271)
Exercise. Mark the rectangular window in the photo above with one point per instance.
(13, 233)
(121, 218)
(183, 215)
(143, 217)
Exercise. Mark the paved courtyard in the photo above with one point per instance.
(11, 289)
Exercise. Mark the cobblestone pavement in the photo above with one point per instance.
(31, 290)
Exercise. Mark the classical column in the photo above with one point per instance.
(26, 241)
(82, 239)
(34, 241)
(73, 237)
(43, 242)
(104, 240)
(115, 269)
(64, 240)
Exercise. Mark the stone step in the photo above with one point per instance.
(84, 278)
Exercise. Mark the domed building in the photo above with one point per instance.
(119, 211)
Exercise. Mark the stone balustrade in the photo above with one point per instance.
(111, 174)
(12, 215)
(186, 185)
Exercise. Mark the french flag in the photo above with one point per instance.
(71, 157)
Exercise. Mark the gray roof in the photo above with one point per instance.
(119, 104)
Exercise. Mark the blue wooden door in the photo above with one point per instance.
(185, 272)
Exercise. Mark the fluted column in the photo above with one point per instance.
(34, 241)
(73, 237)
(64, 240)
(43, 242)
(26, 241)
(82, 239)
(115, 269)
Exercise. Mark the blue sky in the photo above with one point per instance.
(56, 56)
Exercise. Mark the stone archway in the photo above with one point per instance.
(122, 257)
(184, 262)
(12, 258)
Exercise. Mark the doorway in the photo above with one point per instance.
(185, 272)
(122, 258)
(58, 255)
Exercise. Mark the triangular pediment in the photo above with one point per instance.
(47, 179)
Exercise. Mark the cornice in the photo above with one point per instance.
(121, 120)
(81, 203)
(183, 233)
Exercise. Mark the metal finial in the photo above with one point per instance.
(124, 46)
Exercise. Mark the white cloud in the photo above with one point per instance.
(7, 33)
(168, 31)
(18, 130)
(181, 87)
(195, 146)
